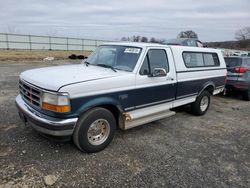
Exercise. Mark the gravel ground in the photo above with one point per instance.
(181, 151)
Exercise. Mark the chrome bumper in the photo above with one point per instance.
(43, 123)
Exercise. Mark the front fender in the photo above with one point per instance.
(81, 106)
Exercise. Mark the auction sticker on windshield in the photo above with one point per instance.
(132, 50)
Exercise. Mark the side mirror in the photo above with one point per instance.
(158, 72)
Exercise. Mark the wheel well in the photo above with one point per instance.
(114, 110)
(210, 89)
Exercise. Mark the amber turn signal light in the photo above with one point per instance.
(56, 108)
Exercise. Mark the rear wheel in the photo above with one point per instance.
(201, 105)
(246, 95)
(94, 130)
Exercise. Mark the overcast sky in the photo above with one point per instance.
(213, 20)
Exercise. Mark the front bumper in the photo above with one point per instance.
(43, 123)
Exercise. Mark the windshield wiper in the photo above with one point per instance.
(106, 66)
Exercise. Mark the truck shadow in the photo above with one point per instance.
(232, 95)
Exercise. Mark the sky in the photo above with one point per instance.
(213, 20)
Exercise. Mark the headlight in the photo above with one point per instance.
(56, 102)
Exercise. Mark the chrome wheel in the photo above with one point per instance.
(98, 132)
(204, 103)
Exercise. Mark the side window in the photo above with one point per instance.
(192, 59)
(208, 59)
(216, 60)
(154, 59)
(199, 59)
(211, 59)
(145, 68)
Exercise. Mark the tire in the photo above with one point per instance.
(246, 95)
(202, 103)
(94, 130)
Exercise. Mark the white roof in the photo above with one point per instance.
(137, 44)
(174, 47)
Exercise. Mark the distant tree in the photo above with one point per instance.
(136, 38)
(125, 39)
(239, 45)
(153, 40)
(160, 40)
(244, 43)
(187, 34)
(144, 39)
(243, 34)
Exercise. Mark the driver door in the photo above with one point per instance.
(152, 90)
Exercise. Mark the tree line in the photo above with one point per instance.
(138, 38)
(242, 36)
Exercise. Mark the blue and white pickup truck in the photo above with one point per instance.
(120, 85)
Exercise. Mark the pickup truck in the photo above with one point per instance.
(120, 85)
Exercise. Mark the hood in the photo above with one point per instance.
(53, 78)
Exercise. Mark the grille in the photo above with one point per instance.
(30, 93)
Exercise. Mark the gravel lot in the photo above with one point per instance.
(181, 151)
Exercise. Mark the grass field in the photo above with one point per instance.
(17, 55)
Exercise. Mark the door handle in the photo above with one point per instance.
(170, 78)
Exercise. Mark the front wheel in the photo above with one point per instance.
(201, 105)
(94, 130)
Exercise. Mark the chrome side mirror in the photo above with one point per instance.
(158, 72)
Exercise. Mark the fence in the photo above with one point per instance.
(34, 42)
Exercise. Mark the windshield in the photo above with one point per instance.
(118, 57)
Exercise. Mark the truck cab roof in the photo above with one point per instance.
(173, 47)
(136, 44)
